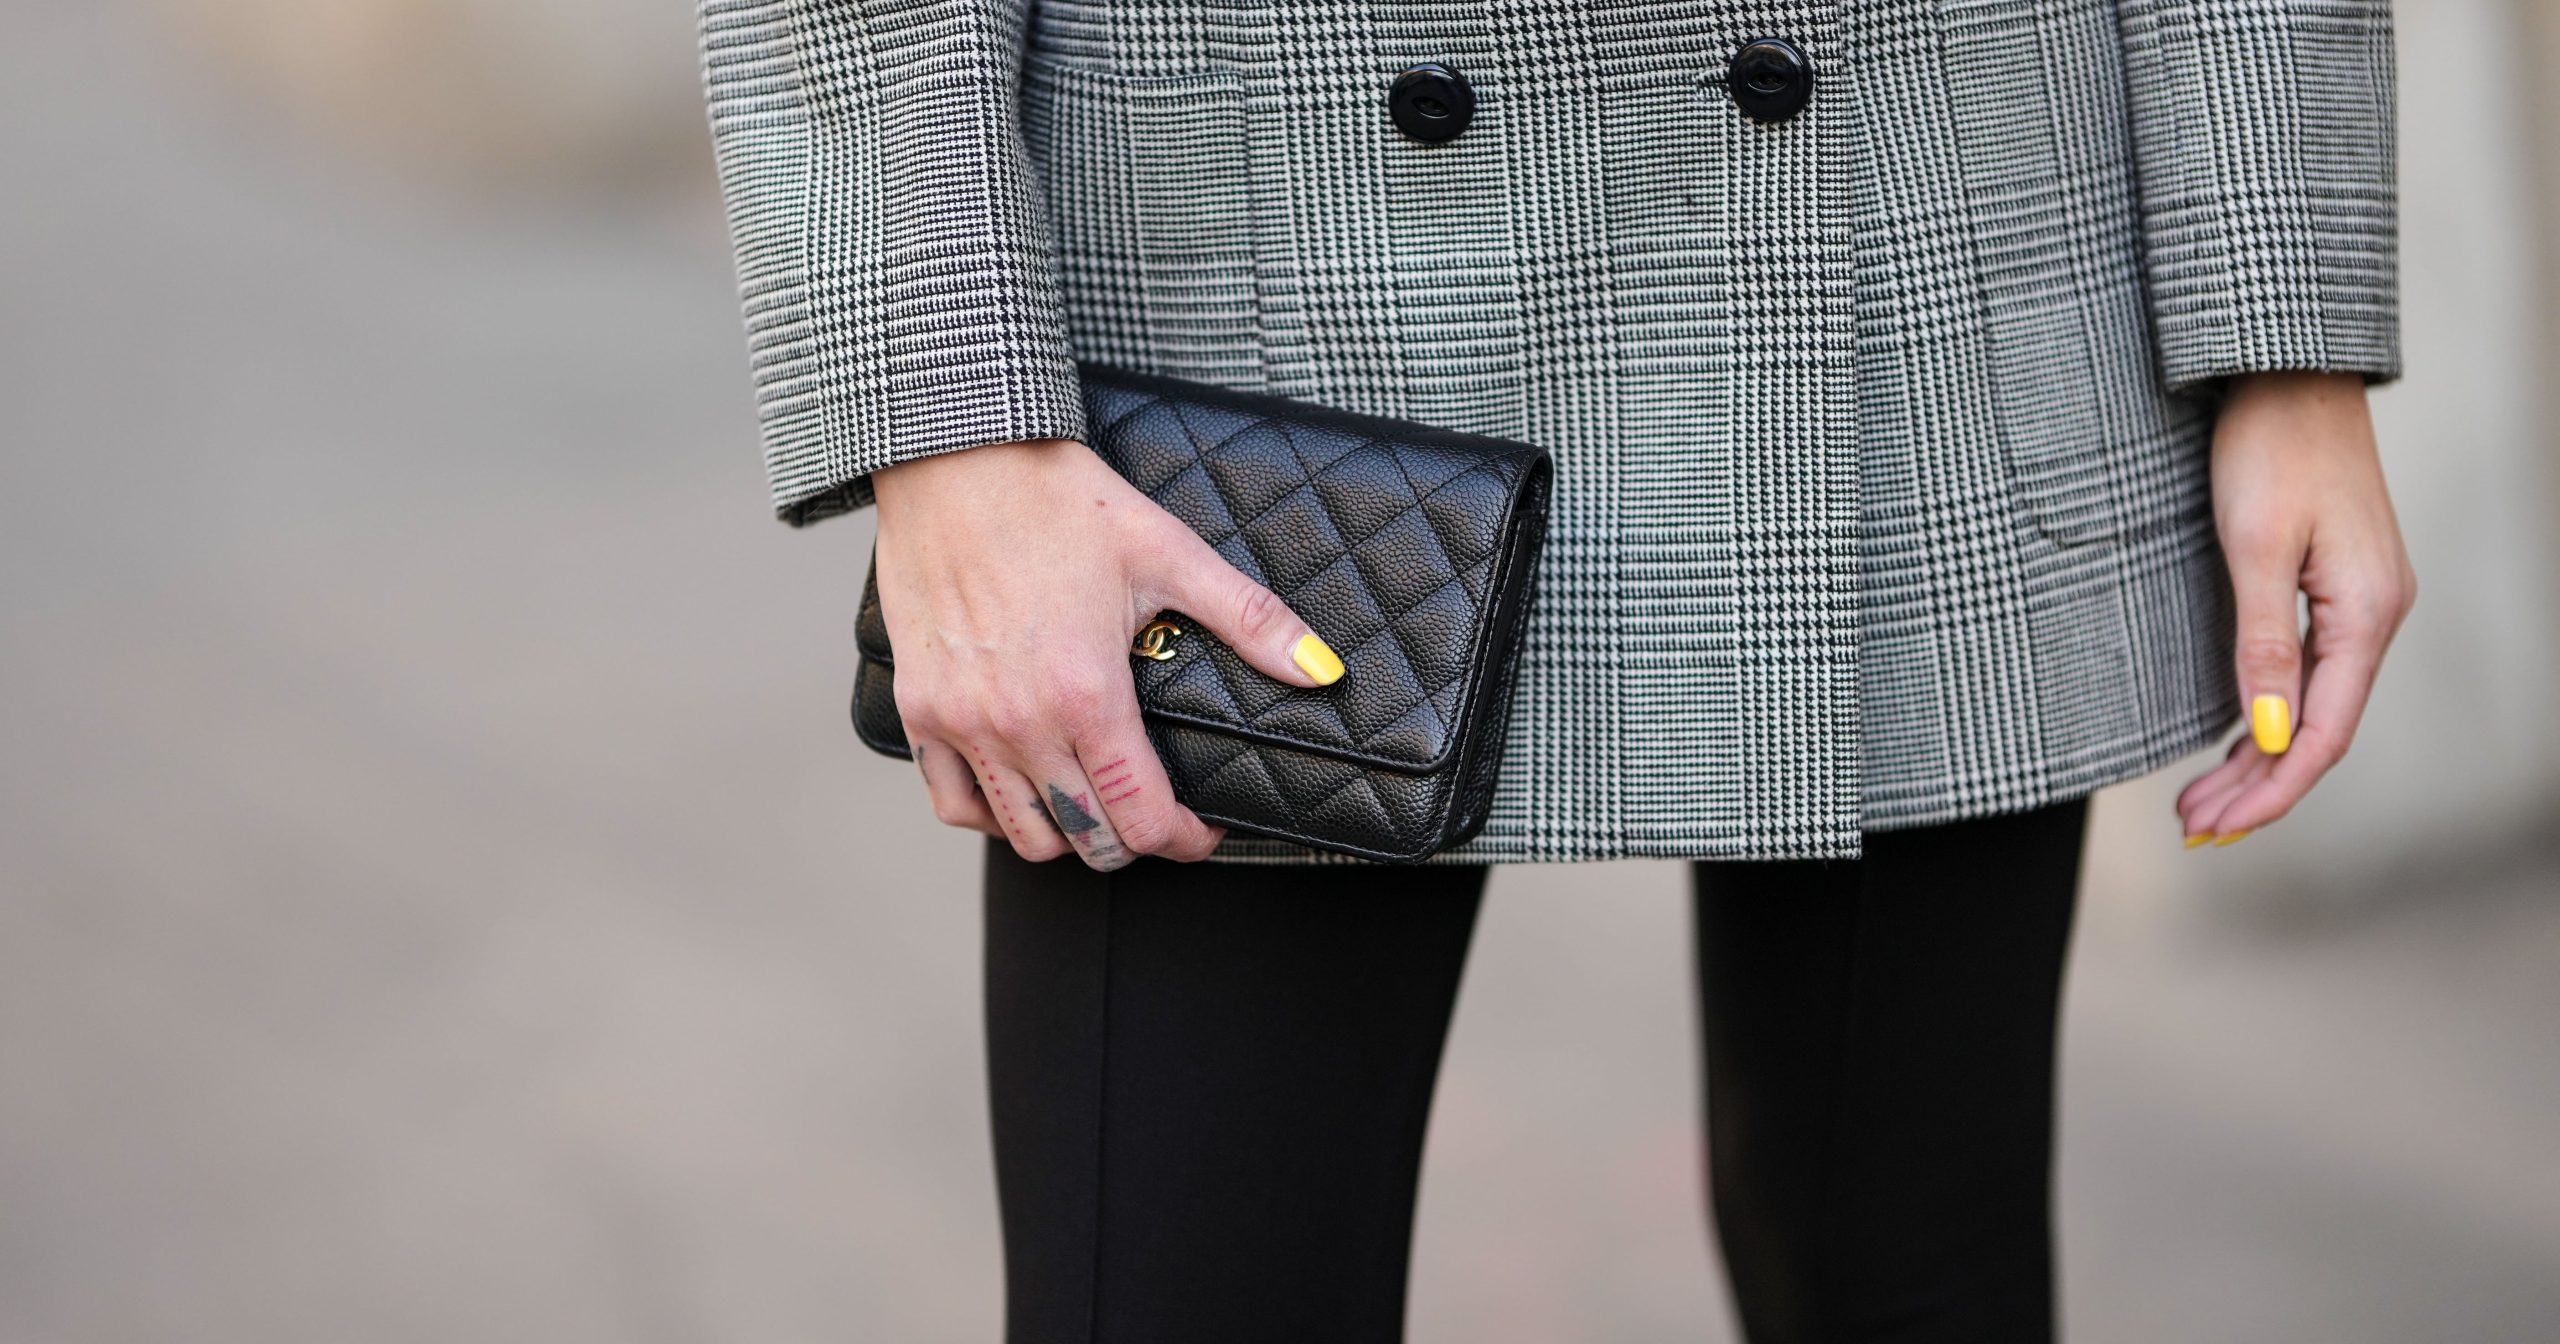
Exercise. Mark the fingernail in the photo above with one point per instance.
(2199, 838)
(2271, 723)
(2232, 839)
(1317, 659)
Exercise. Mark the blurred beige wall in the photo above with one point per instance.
(582, 93)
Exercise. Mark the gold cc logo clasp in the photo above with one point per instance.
(1157, 641)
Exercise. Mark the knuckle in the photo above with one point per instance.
(1259, 612)
(1111, 860)
(2252, 539)
(2367, 611)
(2269, 653)
(2392, 602)
(1037, 848)
(2359, 623)
(1146, 832)
(2259, 538)
(1078, 697)
(2368, 622)
(920, 710)
(945, 717)
(1009, 719)
(1200, 844)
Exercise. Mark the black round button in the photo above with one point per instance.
(1770, 79)
(1431, 103)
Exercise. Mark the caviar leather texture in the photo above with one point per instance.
(1410, 549)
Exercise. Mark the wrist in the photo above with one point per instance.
(2285, 411)
(2295, 384)
(919, 478)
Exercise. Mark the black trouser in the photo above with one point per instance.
(1210, 1084)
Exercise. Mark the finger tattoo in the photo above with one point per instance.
(1083, 829)
(1116, 782)
(1036, 819)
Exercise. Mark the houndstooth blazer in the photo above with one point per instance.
(1880, 428)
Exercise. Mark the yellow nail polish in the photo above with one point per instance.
(2232, 839)
(2271, 723)
(1317, 659)
(2199, 838)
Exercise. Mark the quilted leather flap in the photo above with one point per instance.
(1387, 537)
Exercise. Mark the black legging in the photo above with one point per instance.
(1210, 1084)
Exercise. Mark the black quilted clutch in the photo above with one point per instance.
(1409, 549)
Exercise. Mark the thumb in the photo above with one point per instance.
(2268, 646)
(1250, 618)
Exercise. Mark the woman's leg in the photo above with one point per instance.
(1879, 1040)
(1209, 1084)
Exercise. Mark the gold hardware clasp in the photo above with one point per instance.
(1157, 641)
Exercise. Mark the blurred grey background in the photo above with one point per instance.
(440, 897)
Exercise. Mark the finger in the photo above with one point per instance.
(1135, 795)
(2333, 705)
(1085, 823)
(1018, 808)
(957, 800)
(1248, 617)
(2209, 819)
(2204, 796)
(2268, 643)
(2211, 781)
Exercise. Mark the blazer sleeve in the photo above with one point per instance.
(894, 261)
(2263, 149)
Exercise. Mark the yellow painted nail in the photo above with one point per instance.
(1317, 659)
(2271, 723)
(2232, 839)
(2199, 838)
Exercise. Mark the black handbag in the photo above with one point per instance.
(1409, 549)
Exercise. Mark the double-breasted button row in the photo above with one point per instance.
(1769, 78)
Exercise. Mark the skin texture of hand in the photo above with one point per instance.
(1012, 578)
(2299, 500)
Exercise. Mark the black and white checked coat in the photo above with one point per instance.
(1880, 432)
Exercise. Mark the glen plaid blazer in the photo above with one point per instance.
(1880, 429)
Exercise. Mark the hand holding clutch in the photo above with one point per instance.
(1201, 526)
(1011, 577)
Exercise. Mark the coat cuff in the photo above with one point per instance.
(894, 255)
(817, 480)
(2263, 138)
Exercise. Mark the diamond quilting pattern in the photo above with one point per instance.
(1229, 776)
(1387, 541)
(1393, 539)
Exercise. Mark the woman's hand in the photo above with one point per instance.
(2299, 500)
(1012, 578)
